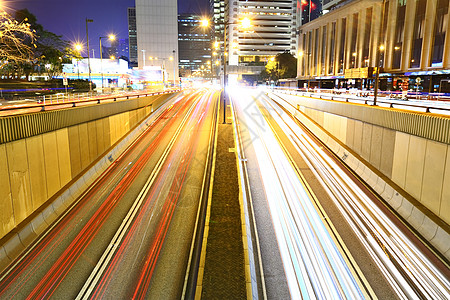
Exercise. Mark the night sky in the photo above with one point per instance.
(67, 18)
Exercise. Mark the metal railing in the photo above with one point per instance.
(57, 101)
(366, 97)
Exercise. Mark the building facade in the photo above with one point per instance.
(132, 37)
(157, 35)
(407, 38)
(194, 43)
(272, 31)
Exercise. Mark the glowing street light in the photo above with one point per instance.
(78, 47)
(204, 23)
(111, 37)
(246, 23)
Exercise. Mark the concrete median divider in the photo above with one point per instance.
(413, 212)
(18, 240)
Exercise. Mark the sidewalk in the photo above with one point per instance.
(224, 274)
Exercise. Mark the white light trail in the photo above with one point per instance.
(410, 273)
(314, 266)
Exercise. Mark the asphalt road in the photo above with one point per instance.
(130, 235)
(317, 227)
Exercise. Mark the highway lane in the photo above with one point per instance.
(301, 224)
(65, 257)
(411, 269)
(313, 265)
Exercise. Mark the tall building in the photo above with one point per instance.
(273, 29)
(119, 49)
(132, 36)
(157, 35)
(194, 43)
(339, 49)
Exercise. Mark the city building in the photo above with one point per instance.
(194, 44)
(272, 31)
(118, 49)
(113, 72)
(132, 37)
(157, 35)
(408, 38)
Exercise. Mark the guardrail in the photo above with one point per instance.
(413, 105)
(64, 101)
(31, 122)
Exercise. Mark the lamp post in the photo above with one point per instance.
(111, 37)
(378, 54)
(245, 23)
(89, 60)
(143, 58)
(174, 66)
(377, 75)
(78, 48)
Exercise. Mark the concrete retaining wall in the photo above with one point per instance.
(34, 169)
(40, 179)
(418, 167)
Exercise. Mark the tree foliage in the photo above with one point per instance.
(50, 51)
(284, 65)
(17, 40)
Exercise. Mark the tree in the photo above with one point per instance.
(50, 51)
(284, 65)
(287, 65)
(16, 40)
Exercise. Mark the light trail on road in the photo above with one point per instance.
(410, 273)
(315, 267)
(65, 256)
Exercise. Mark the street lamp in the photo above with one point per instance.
(377, 73)
(89, 58)
(172, 59)
(245, 24)
(378, 54)
(111, 37)
(78, 48)
(143, 58)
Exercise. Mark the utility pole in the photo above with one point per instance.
(225, 78)
(174, 67)
(143, 58)
(379, 48)
(89, 58)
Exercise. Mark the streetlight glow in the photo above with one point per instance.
(216, 44)
(204, 23)
(246, 23)
(78, 47)
(112, 37)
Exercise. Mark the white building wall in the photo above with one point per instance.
(157, 34)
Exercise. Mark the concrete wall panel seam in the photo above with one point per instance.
(428, 229)
(13, 246)
(416, 218)
(405, 209)
(27, 235)
(441, 240)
